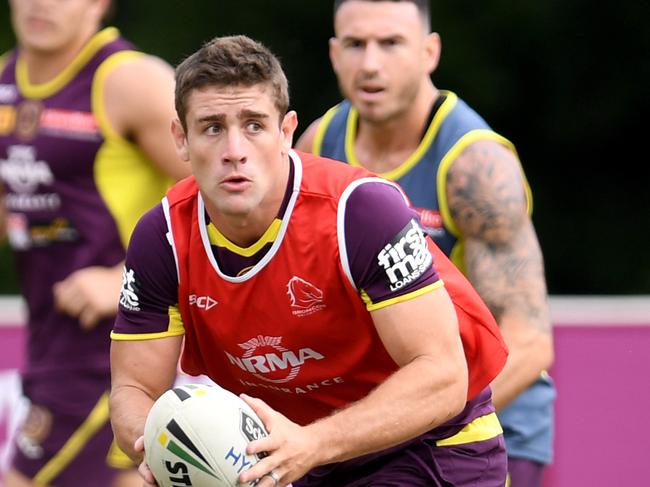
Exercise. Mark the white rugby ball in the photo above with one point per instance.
(196, 435)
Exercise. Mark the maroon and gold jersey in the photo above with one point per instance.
(74, 189)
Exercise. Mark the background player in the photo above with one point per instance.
(84, 150)
(467, 184)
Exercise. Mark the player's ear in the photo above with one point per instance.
(289, 125)
(432, 48)
(180, 139)
(334, 50)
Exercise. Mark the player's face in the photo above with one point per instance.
(382, 55)
(52, 25)
(237, 146)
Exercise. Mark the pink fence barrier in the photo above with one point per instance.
(602, 362)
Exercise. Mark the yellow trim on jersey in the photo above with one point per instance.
(317, 145)
(44, 90)
(370, 306)
(271, 233)
(132, 337)
(452, 155)
(97, 92)
(481, 429)
(175, 328)
(126, 178)
(457, 255)
(128, 183)
(116, 458)
(97, 418)
(416, 156)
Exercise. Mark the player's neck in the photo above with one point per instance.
(244, 230)
(45, 65)
(381, 147)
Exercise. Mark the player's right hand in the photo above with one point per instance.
(89, 294)
(143, 468)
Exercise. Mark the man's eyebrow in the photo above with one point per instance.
(242, 114)
(384, 37)
(246, 113)
(213, 118)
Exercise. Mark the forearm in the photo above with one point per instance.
(129, 408)
(530, 354)
(509, 276)
(415, 399)
(141, 370)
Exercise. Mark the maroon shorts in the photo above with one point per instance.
(419, 464)
(68, 448)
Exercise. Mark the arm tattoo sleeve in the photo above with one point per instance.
(503, 259)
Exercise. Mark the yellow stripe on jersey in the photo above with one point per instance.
(116, 458)
(175, 327)
(218, 239)
(452, 155)
(322, 128)
(97, 418)
(370, 306)
(416, 156)
(7, 112)
(44, 90)
(457, 255)
(127, 180)
(481, 429)
(104, 69)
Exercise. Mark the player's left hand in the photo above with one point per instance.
(292, 452)
(89, 294)
(143, 468)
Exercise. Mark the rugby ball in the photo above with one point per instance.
(196, 434)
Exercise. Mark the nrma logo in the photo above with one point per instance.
(406, 257)
(277, 365)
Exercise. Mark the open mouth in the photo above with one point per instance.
(370, 92)
(235, 183)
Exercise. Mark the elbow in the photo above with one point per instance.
(457, 387)
(445, 396)
(460, 393)
(458, 404)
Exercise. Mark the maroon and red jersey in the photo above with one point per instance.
(297, 321)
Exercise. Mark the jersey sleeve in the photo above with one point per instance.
(387, 253)
(148, 306)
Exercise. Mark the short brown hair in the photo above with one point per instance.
(231, 60)
(423, 6)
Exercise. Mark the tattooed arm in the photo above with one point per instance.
(503, 259)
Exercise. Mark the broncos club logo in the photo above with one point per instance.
(304, 297)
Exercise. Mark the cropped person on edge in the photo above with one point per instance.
(467, 185)
(84, 151)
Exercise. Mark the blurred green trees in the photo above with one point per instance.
(565, 81)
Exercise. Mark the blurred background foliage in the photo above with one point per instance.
(567, 82)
